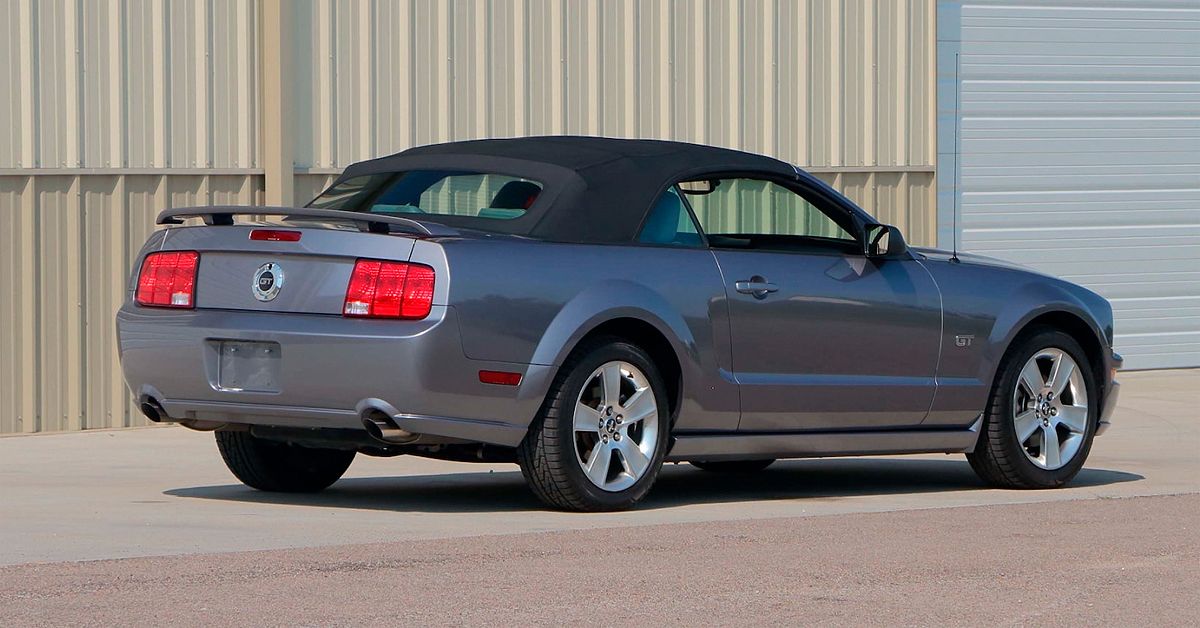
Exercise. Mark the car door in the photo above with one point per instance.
(823, 338)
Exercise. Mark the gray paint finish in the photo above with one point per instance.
(1080, 147)
(813, 355)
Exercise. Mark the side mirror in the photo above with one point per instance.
(883, 241)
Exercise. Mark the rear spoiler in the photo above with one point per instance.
(375, 223)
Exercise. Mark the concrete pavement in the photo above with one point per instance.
(1116, 562)
(164, 491)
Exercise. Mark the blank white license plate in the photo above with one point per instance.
(248, 366)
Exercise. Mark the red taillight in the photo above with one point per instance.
(275, 235)
(168, 279)
(380, 289)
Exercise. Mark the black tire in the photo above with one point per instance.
(547, 454)
(999, 459)
(279, 467)
(732, 466)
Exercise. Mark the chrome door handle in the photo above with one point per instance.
(756, 286)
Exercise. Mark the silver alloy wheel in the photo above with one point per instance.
(1050, 408)
(615, 419)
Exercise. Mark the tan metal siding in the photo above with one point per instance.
(114, 110)
(119, 109)
(137, 83)
(904, 199)
(66, 245)
(823, 83)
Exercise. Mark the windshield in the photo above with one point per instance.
(474, 196)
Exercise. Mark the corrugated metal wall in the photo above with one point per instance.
(824, 83)
(66, 243)
(113, 111)
(118, 109)
(131, 84)
(1080, 147)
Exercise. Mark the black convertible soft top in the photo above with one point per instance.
(597, 189)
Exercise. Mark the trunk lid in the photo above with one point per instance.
(308, 275)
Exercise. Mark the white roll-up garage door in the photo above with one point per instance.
(1080, 149)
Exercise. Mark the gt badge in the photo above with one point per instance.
(963, 341)
(268, 280)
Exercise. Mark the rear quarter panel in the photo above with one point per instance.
(532, 302)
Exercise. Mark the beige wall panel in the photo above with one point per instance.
(11, 73)
(905, 200)
(67, 245)
(919, 134)
(145, 76)
(835, 83)
(58, 217)
(129, 83)
(54, 98)
(18, 312)
(105, 252)
(145, 197)
(233, 67)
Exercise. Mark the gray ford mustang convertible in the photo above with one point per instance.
(590, 308)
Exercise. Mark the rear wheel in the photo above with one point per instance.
(601, 436)
(1042, 415)
(732, 466)
(274, 466)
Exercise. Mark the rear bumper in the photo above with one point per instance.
(1112, 391)
(473, 430)
(331, 370)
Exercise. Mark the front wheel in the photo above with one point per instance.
(274, 466)
(1041, 417)
(601, 436)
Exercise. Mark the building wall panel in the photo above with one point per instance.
(834, 83)
(19, 331)
(68, 243)
(129, 83)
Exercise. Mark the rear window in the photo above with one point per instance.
(482, 196)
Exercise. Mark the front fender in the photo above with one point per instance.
(1026, 303)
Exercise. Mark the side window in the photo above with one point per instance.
(484, 195)
(753, 212)
(670, 223)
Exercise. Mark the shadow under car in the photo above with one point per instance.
(678, 485)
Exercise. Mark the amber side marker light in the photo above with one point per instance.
(500, 378)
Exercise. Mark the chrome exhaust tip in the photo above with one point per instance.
(382, 428)
(151, 410)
